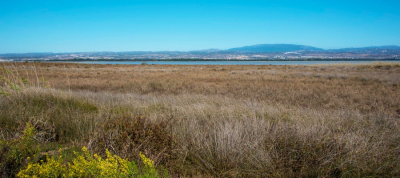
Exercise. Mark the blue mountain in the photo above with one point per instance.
(275, 48)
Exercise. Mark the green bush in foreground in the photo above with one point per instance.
(14, 153)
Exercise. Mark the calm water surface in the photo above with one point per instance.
(229, 62)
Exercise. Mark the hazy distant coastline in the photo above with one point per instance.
(264, 52)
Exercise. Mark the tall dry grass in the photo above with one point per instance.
(224, 121)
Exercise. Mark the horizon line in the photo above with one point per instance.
(207, 49)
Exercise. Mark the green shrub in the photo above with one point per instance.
(14, 154)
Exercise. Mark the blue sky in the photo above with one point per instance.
(151, 25)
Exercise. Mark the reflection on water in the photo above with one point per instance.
(229, 62)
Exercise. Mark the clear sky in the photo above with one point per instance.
(154, 25)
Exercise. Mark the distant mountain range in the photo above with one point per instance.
(368, 49)
(265, 48)
(255, 52)
(275, 48)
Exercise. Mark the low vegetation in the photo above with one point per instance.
(200, 121)
(90, 166)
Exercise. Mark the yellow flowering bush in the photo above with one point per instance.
(87, 166)
(52, 168)
(90, 166)
(150, 171)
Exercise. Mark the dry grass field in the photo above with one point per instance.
(339, 120)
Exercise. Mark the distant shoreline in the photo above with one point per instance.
(194, 60)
